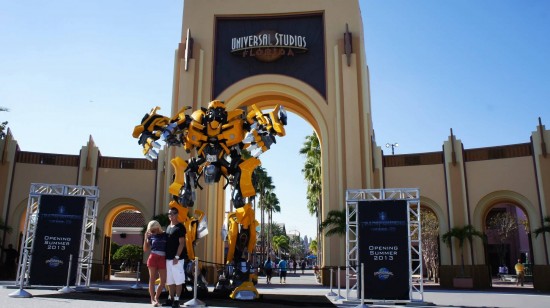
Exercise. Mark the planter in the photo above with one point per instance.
(463, 282)
(541, 278)
(479, 276)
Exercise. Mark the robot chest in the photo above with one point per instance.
(228, 134)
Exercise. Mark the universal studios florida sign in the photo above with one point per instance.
(268, 46)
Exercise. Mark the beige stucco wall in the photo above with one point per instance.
(514, 174)
(25, 175)
(430, 179)
(135, 184)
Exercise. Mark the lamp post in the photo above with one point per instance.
(393, 146)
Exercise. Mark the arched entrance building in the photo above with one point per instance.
(308, 56)
(305, 55)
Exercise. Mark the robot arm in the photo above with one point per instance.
(195, 227)
(155, 126)
(264, 128)
(174, 132)
(149, 131)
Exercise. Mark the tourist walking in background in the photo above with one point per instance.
(283, 266)
(520, 273)
(268, 267)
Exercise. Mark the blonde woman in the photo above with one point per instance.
(155, 241)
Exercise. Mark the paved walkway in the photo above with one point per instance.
(298, 284)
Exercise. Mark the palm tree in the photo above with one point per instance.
(544, 228)
(313, 247)
(462, 234)
(276, 229)
(281, 242)
(312, 174)
(262, 184)
(4, 227)
(271, 204)
(7, 229)
(335, 223)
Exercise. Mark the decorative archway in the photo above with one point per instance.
(433, 206)
(109, 212)
(506, 237)
(430, 205)
(266, 91)
(492, 200)
(107, 215)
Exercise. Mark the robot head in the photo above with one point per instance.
(216, 114)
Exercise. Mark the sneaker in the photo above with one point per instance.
(168, 303)
(175, 304)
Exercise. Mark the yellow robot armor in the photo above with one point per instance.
(219, 137)
(233, 132)
(241, 232)
(195, 227)
(216, 104)
(264, 128)
(215, 117)
(149, 131)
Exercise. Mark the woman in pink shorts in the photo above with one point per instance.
(155, 241)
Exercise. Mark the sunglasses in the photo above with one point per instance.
(172, 214)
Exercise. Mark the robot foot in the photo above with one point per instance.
(245, 292)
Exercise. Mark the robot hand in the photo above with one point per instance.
(148, 132)
(150, 146)
(169, 136)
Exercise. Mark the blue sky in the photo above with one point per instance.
(71, 69)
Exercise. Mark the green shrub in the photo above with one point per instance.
(130, 253)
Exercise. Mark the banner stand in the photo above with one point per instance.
(384, 201)
(67, 221)
(137, 286)
(67, 289)
(339, 297)
(21, 293)
(331, 294)
(362, 304)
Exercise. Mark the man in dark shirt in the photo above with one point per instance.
(175, 256)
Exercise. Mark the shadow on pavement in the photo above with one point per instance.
(210, 299)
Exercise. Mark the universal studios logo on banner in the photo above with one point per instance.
(383, 248)
(269, 46)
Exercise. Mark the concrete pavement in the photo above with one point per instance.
(296, 284)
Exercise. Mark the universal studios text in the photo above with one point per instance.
(268, 39)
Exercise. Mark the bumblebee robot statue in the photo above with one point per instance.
(216, 139)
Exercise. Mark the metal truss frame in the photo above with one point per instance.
(84, 269)
(353, 267)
